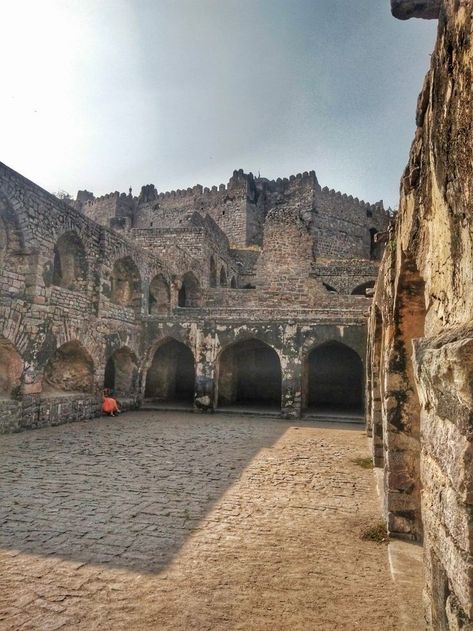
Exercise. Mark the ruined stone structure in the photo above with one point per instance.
(420, 376)
(249, 294)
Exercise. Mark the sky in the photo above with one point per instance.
(108, 94)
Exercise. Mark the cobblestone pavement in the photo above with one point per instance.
(179, 521)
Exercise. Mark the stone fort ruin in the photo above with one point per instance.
(250, 294)
(256, 294)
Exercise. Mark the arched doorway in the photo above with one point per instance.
(121, 373)
(334, 380)
(70, 369)
(233, 283)
(249, 375)
(171, 376)
(11, 369)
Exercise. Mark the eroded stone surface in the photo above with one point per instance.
(183, 522)
(421, 335)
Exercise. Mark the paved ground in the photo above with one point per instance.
(178, 521)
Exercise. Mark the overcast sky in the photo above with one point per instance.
(104, 94)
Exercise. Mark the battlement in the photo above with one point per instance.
(354, 200)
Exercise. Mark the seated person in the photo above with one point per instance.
(109, 405)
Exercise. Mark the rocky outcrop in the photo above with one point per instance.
(406, 9)
(420, 380)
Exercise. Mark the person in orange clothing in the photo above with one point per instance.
(109, 405)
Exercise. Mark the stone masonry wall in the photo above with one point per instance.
(420, 397)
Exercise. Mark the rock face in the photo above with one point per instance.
(420, 377)
(406, 9)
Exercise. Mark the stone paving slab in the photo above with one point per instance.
(179, 521)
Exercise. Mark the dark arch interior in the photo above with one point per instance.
(249, 375)
(171, 375)
(335, 379)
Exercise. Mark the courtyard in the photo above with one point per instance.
(157, 520)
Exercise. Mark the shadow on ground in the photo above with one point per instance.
(124, 492)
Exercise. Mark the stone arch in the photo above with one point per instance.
(70, 369)
(126, 284)
(70, 263)
(11, 369)
(159, 296)
(171, 375)
(223, 277)
(249, 374)
(360, 290)
(189, 293)
(401, 405)
(333, 380)
(121, 372)
(233, 283)
(213, 272)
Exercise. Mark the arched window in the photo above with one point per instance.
(126, 284)
(121, 373)
(213, 272)
(249, 374)
(233, 283)
(70, 263)
(70, 369)
(11, 369)
(223, 277)
(360, 290)
(189, 294)
(171, 375)
(159, 296)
